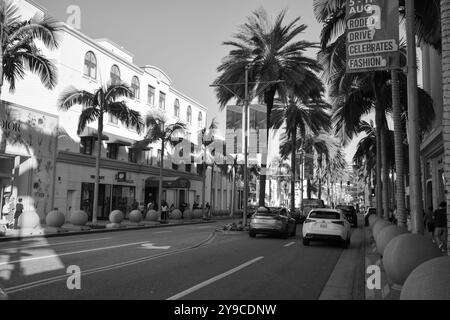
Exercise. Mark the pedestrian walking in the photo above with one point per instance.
(428, 221)
(440, 222)
(17, 214)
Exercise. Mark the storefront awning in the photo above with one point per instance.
(89, 132)
(169, 183)
(120, 142)
(143, 146)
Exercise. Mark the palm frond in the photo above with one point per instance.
(71, 96)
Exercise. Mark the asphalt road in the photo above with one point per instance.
(187, 262)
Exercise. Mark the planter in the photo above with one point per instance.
(405, 253)
(197, 214)
(373, 219)
(386, 235)
(175, 215)
(135, 216)
(152, 215)
(187, 214)
(29, 220)
(79, 218)
(429, 281)
(55, 219)
(116, 216)
(378, 226)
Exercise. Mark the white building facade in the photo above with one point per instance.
(55, 168)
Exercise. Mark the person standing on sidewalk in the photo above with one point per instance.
(164, 212)
(440, 222)
(428, 221)
(19, 210)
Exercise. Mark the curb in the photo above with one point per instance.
(95, 231)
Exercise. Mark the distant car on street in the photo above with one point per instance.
(350, 213)
(370, 211)
(308, 205)
(326, 225)
(272, 221)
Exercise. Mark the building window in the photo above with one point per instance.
(86, 145)
(112, 119)
(200, 120)
(151, 95)
(162, 100)
(149, 157)
(136, 87)
(189, 115)
(112, 151)
(115, 75)
(176, 109)
(90, 65)
(133, 155)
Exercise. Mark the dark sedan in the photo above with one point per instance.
(350, 214)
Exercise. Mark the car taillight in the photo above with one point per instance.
(339, 222)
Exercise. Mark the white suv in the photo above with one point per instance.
(326, 225)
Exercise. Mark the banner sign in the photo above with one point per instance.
(372, 35)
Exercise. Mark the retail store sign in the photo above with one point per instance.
(372, 35)
(10, 126)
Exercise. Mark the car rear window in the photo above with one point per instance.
(325, 215)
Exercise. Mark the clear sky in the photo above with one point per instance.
(182, 37)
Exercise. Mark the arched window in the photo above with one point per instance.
(115, 75)
(90, 65)
(136, 87)
(200, 120)
(189, 115)
(176, 108)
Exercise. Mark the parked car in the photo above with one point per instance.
(350, 213)
(272, 221)
(326, 225)
(370, 211)
(308, 205)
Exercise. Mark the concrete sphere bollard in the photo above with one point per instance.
(78, 218)
(135, 216)
(175, 214)
(404, 253)
(188, 214)
(152, 215)
(116, 216)
(198, 214)
(29, 220)
(55, 219)
(386, 235)
(373, 219)
(378, 226)
(429, 281)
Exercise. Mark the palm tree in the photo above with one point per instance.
(445, 22)
(19, 52)
(308, 116)
(207, 138)
(158, 130)
(272, 52)
(95, 106)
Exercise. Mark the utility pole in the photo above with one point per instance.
(413, 124)
(247, 99)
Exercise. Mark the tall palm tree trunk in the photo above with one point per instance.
(204, 170)
(379, 196)
(97, 167)
(213, 193)
(161, 167)
(233, 193)
(399, 155)
(294, 150)
(445, 20)
(385, 171)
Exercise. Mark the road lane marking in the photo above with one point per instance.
(212, 280)
(71, 253)
(289, 244)
(161, 232)
(43, 282)
(150, 246)
(54, 244)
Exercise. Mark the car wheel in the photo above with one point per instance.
(305, 242)
(252, 234)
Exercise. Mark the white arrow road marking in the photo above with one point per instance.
(3, 295)
(54, 244)
(212, 280)
(71, 253)
(152, 246)
(289, 244)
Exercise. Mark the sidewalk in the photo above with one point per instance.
(70, 230)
